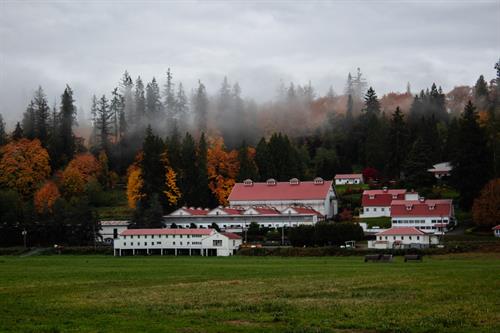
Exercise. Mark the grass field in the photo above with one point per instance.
(458, 293)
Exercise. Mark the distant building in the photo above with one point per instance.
(110, 230)
(402, 238)
(238, 219)
(344, 179)
(377, 203)
(318, 194)
(430, 216)
(189, 242)
(496, 231)
(441, 170)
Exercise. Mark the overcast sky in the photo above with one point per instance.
(89, 45)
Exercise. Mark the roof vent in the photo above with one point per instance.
(384, 189)
(421, 199)
(294, 181)
(248, 182)
(271, 182)
(318, 181)
(431, 207)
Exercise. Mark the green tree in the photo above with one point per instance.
(470, 165)
(103, 124)
(397, 144)
(248, 168)
(17, 134)
(200, 108)
(189, 171)
(67, 119)
(416, 165)
(204, 195)
(264, 161)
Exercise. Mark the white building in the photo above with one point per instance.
(239, 219)
(402, 238)
(191, 242)
(496, 231)
(430, 216)
(377, 203)
(318, 194)
(441, 170)
(111, 229)
(345, 179)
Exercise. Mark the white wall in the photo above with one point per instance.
(372, 211)
(425, 224)
(404, 240)
(107, 232)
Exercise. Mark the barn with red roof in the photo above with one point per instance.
(402, 238)
(318, 194)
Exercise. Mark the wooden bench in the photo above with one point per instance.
(386, 258)
(413, 257)
(372, 257)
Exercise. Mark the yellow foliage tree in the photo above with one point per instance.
(172, 191)
(222, 170)
(87, 165)
(46, 197)
(24, 164)
(134, 185)
(73, 182)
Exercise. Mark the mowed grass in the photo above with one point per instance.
(249, 294)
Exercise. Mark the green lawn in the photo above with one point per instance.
(249, 294)
(382, 222)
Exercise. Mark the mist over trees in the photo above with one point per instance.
(170, 147)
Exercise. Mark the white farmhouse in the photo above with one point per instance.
(111, 229)
(189, 242)
(402, 238)
(318, 195)
(345, 179)
(430, 216)
(441, 170)
(377, 203)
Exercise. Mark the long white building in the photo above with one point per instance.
(318, 194)
(227, 218)
(189, 242)
(402, 238)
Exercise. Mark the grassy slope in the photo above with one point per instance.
(248, 294)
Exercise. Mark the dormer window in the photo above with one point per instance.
(294, 181)
(318, 181)
(394, 196)
(247, 182)
(409, 207)
(271, 182)
(431, 207)
(371, 196)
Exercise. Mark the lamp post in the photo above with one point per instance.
(24, 233)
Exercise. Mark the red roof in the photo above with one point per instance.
(233, 211)
(438, 208)
(266, 210)
(496, 227)
(231, 235)
(381, 198)
(306, 210)
(401, 231)
(167, 231)
(349, 176)
(280, 191)
(195, 211)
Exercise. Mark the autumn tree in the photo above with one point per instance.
(73, 182)
(172, 191)
(24, 164)
(46, 197)
(134, 185)
(223, 168)
(486, 208)
(87, 165)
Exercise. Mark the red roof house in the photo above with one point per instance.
(422, 208)
(381, 198)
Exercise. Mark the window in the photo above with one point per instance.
(366, 209)
(217, 242)
(152, 236)
(158, 243)
(132, 243)
(174, 242)
(152, 243)
(385, 237)
(146, 243)
(132, 236)
(375, 209)
(115, 233)
(181, 243)
(383, 209)
(409, 237)
(394, 237)
(418, 237)
(124, 243)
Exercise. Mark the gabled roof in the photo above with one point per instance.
(191, 211)
(225, 211)
(349, 176)
(280, 191)
(167, 231)
(496, 227)
(231, 235)
(302, 210)
(441, 167)
(403, 231)
(381, 198)
(417, 208)
(263, 210)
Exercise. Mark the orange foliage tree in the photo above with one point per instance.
(134, 182)
(486, 208)
(24, 164)
(73, 182)
(222, 168)
(172, 191)
(46, 197)
(87, 165)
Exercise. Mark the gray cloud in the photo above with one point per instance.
(89, 44)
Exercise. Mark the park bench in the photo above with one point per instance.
(386, 258)
(372, 257)
(413, 257)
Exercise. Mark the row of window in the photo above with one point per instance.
(374, 209)
(159, 243)
(415, 221)
(162, 236)
(400, 237)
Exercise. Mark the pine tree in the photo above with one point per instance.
(372, 105)
(248, 168)
(3, 133)
(140, 103)
(349, 111)
(67, 119)
(204, 197)
(153, 102)
(470, 166)
(42, 114)
(126, 87)
(397, 143)
(201, 108)
(190, 173)
(170, 102)
(117, 110)
(17, 134)
(29, 120)
(263, 161)
(104, 124)
(153, 170)
(416, 165)
(93, 118)
(181, 108)
(481, 93)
